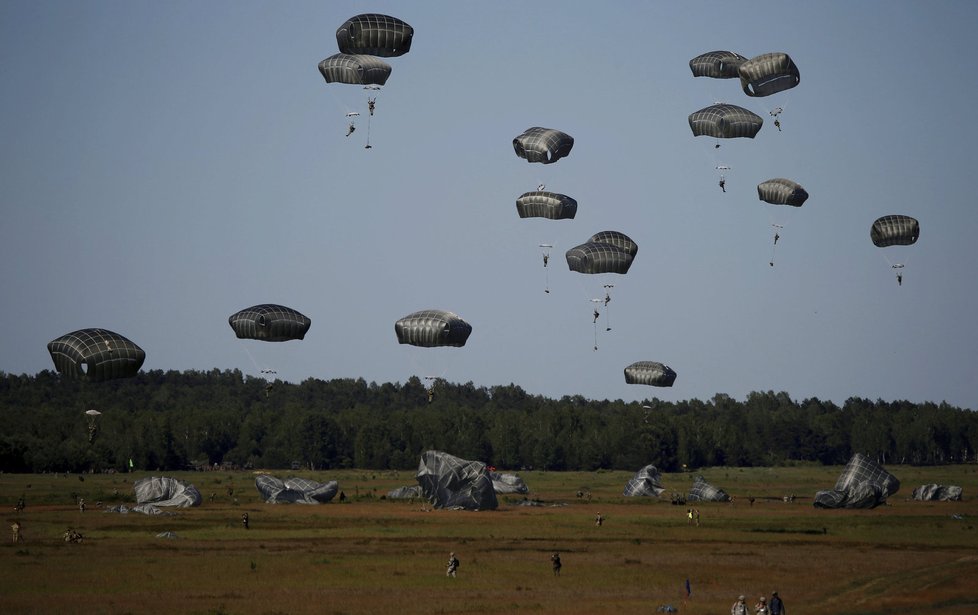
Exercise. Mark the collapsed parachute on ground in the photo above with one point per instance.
(651, 373)
(604, 252)
(355, 69)
(943, 493)
(780, 191)
(702, 491)
(550, 205)
(646, 482)
(450, 482)
(405, 493)
(166, 492)
(96, 355)
(768, 74)
(432, 328)
(269, 323)
(717, 64)
(544, 145)
(376, 35)
(295, 490)
(894, 231)
(864, 483)
(508, 483)
(724, 121)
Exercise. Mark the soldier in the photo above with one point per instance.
(15, 530)
(555, 560)
(244, 520)
(739, 607)
(452, 565)
(598, 520)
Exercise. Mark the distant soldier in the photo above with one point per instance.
(244, 520)
(452, 565)
(696, 516)
(555, 560)
(776, 606)
(598, 520)
(21, 504)
(689, 516)
(81, 504)
(739, 607)
(15, 531)
(761, 607)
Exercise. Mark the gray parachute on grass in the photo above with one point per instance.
(780, 191)
(724, 121)
(864, 483)
(542, 204)
(269, 322)
(405, 493)
(604, 252)
(768, 74)
(165, 491)
(432, 328)
(717, 65)
(355, 69)
(295, 490)
(508, 483)
(702, 491)
(375, 34)
(943, 493)
(450, 482)
(651, 373)
(647, 482)
(894, 231)
(544, 145)
(96, 355)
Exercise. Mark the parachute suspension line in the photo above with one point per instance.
(260, 369)
(777, 236)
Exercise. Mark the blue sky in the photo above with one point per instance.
(165, 164)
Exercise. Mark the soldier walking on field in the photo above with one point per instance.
(452, 565)
(555, 560)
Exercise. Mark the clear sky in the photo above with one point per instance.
(165, 164)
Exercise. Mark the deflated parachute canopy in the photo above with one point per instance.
(646, 482)
(166, 492)
(550, 205)
(651, 373)
(96, 355)
(294, 490)
(944, 493)
(768, 74)
(894, 231)
(432, 328)
(702, 491)
(544, 145)
(508, 483)
(450, 482)
(864, 483)
(724, 121)
(780, 191)
(270, 323)
(717, 64)
(355, 69)
(375, 34)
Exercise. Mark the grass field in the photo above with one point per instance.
(373, 555)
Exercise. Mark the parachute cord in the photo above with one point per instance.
(595, 334)
(368, 131)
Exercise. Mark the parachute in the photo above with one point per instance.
(725, 121)
(404, 493)
(92, 418)
(646, 482)
(432, 328)
(943, 493)
(702, 491)
(604, 252)
(768, 74)
(295, 490)
(651, 373)
(450, 482)
(864, 483)
(269, 322)
(717, 64)
(544, 145)
(96, 355)
(780, 191)
(550, 205)
(355, 69)
(507, 483)
(895, 231)
(375, 34)
(166, 492)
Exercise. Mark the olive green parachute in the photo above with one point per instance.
(432, 328)
(768, 74)
(544, 145)
(355, 69)
(550, 205)
(617, 239)
(599, 257)
(269, 323)
(376, 35)
(725, 121)
(717, 64)
(895, 231)
(780, 191)
(96, 355)
(651, 373)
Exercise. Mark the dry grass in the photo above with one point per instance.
(371, 555)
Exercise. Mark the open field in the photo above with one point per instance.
(373, 555)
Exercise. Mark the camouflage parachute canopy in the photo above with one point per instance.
(269, 322)
(450, 482)
(432, 328)
(604, 252)
(717, 64)
(651, 373)
(780, 191)
(96, 355)
(294, 490)
(864, 483)
(702, 491)
(724, 121)
(355, 69)
(647, 482)
(894, 231)
(542, 204)
(768, 74)
(544, 145)
(376, 35)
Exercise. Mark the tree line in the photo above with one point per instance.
(176, 420)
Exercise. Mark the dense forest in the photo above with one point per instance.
(180, 420)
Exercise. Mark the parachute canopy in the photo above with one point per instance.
(544, 145)
(725, 121)
(646, 482)
(542, 204)
(944, 493)
(166, 492)
(294, 490)
(355, 69)
(432, 328)
(615, 238)
(717, 64)
(604, 252)
(450, 482)
(768, 74)
(270, 323)
(405, 493)
(508, 483)
(650, 373)
(864, 483)
(93, 413)
(780, 191)
(894, 231)
(96, 355)
(375, 34)
(702, 491)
